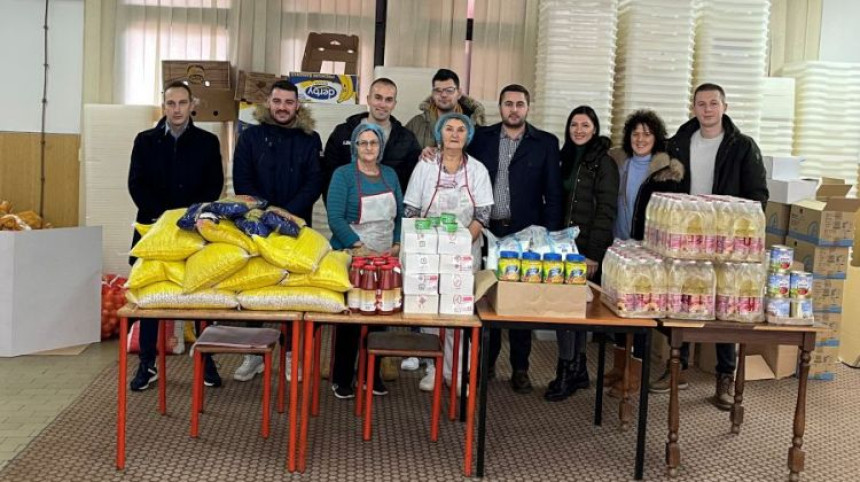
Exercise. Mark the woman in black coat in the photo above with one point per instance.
(591, 180)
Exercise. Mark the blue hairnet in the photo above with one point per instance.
(470, 127)
(362, 128)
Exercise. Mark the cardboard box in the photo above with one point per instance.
(789, 192)
(254, 87)
(415, 241)
(458, 242)
(420, 284)
(414, 263)
(211, 85)
(215, 105)
(421, 304)
(536, 299)
(824, 262)
(786, 168)
(777, 216)
(456, 284)
(829, 337)
(824, 223)
(781, 359)
(849, 342)
(457, 263)
(772, 239)
(326, 88)
(823, 371)
(456, 304)
(828, 295)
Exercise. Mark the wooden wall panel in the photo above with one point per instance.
(20, 172)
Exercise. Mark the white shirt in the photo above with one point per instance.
(422, 184)
(703, 158)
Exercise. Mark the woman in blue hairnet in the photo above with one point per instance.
(365, 206)
(456, 183)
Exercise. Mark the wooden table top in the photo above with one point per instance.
(596, 314)
(399, 319)
(736, 325)
(132, 311)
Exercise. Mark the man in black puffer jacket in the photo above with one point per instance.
(718, 159)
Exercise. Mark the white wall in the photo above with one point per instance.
(840, 37)
(22, 54)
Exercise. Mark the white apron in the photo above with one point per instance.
(458, 201)
(376, 215)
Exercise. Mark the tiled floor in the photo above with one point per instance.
(35, 389)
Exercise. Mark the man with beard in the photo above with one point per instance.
(279, 161)
(523, 163)
(444, 99)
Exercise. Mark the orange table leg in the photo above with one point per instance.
(371, 364)
(315, 406)
(470, 404)
(294, 400)
(455, 375)
(162, 368)
(267, 391)
(282, 388)
(362, 364)
(306, 395)
(121, 395)
(197, 394)
(437, 400)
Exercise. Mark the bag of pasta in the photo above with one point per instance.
(279, 298)
(258, 273)
(189, 219)
(165, 241)
(232, 207)
(225, 231)
(167, 295)
(333, 273)
(281, 221)
(212, 264)
(297, 255)
(252, 225)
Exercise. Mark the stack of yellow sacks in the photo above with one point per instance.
(216, 265)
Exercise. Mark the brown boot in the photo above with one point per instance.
(619, 361)
(722, 399)
(635, 380)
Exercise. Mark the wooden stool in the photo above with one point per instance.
(232, 339)
(403, 344)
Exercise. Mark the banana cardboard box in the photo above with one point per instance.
(326, 88)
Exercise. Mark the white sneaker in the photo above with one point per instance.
(410, 364)
(428, 383)
(288, 368)
(250, 367)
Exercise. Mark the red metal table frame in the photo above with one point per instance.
(681, 331)
(437, 321)
(281, 317)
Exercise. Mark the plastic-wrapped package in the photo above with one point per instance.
(165, 241)
(740, 292)
(213, 264)
(189, 219)
(281, 221)
(232, 207)
(297, 255)
(634, 282)
(252, 225)
(145, 272)
(167, 295)
(225, 231)
(280, 298)
(333, 272)
(533, 238)
(692, 289)
(258, 273)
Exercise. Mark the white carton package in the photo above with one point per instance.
(790, 192)
(421, 284)
(456, 263)
(456, 304)
(458, 242)
(420, 263)
(415, 241)
(421, 304)
(456, 284)
(782, 168)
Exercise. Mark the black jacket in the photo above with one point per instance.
(738, 170)
(280, 164)
(168, 173)
(592, 201)
(401, 150)
(665, 174)
(535, 184)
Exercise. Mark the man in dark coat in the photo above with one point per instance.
(279, 161)
(523, 163)
(718, 159)
(173, 165)
(401, 147)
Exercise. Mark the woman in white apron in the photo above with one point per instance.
(459, 184)
(365, 206)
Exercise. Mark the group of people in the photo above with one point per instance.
(374, 171)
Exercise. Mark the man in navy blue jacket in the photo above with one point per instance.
(523, 163)
(279, 161)
(173, 165)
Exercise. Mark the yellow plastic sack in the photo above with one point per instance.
(258, 273)
(333, 273)
(167, 295)
(175, 271)
(145, 272)
(279, 298)
(166, 242)
(211, 265)
(226, 232)
(142, 229)
(295, 280)
(297, 255)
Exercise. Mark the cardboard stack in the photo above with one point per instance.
(437, 270)
(785, 187)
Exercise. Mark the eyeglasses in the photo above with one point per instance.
(446, 90)
(367, 144)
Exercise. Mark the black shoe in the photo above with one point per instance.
(563, 387)
(343, 393)
(211, 378)
(560, 368)
(520, 382)
(579, 372)
(146, 374)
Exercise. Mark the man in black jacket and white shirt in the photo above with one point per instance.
(718, 159)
